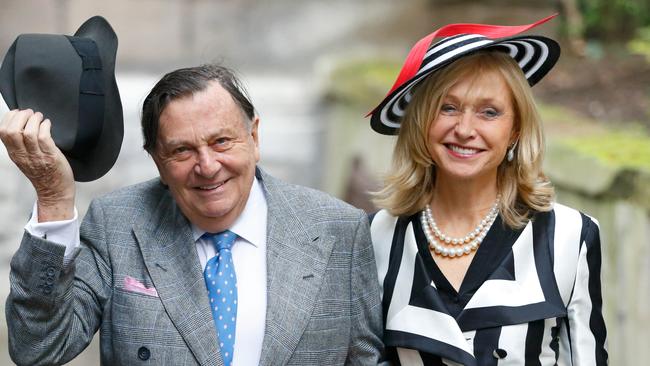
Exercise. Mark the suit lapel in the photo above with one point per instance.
(296, 261)
(170, 256)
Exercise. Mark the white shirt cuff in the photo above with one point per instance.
(64, 232)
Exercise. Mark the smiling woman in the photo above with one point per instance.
(468, 137)
(476, 261)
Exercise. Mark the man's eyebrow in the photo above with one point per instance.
(174, 142)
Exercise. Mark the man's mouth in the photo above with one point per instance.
(212, 186)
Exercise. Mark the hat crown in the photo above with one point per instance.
(41, 61)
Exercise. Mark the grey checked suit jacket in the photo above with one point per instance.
(323, 305)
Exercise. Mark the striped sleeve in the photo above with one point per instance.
(587, 334)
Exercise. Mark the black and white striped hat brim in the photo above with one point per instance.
(536, 55)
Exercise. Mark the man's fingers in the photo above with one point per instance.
(45, 141)
(5, 121)
(30, 132)
(12, 134)
(17, 123)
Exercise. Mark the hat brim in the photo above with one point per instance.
(535, 55)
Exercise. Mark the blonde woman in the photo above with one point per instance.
(478, 264)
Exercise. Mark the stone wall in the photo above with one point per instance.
(618, 198)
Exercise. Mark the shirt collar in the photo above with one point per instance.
(251, 223)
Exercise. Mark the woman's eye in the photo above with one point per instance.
(448, 108)
(490, 113)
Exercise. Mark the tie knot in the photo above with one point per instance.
(222, 240)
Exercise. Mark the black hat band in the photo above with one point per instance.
(91, 96)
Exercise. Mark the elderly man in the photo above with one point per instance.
(215, 262)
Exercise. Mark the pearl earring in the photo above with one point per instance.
(511, 152)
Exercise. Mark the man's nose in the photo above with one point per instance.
(207, 164)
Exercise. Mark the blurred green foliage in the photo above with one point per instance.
(617, 148)
(361, 82)
(640, 45)
(614, 19)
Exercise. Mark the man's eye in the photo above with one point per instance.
(221, 143)
(180, 150)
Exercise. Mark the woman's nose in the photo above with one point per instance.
(465, 125)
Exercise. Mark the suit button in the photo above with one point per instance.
(144, 353)
(499, 353)
(51, 271)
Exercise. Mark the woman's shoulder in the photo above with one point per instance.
(383, 222)
(383, 231)
(382, 225)
(570, 226)
(567, 214)
(381, 217)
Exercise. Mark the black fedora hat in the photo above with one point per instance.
(535, 55)
(71, 80)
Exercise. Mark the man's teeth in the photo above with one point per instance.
(463, 150)
(207, 188)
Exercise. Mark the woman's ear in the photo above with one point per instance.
(514, 137)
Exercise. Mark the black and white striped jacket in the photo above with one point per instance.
(540, 306)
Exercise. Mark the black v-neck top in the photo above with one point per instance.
(495, 247)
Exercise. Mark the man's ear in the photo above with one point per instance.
(156, 160)
(255, 135)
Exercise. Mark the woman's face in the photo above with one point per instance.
(469, 136)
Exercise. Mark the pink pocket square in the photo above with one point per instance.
(133, 285)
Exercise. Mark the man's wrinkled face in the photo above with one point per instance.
(206, 153)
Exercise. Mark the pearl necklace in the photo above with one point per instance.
(460, 246)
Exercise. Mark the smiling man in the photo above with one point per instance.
(214, 262)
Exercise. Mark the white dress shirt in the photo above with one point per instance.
(249, 257)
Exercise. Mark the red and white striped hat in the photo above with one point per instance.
(536, 55)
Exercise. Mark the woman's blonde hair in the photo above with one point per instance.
(523, 186)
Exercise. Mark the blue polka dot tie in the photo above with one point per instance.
(221, 282)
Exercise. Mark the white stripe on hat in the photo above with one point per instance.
(528, 54)
(541, 59)
(450, 41)
(446, 56)
(513, 49)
